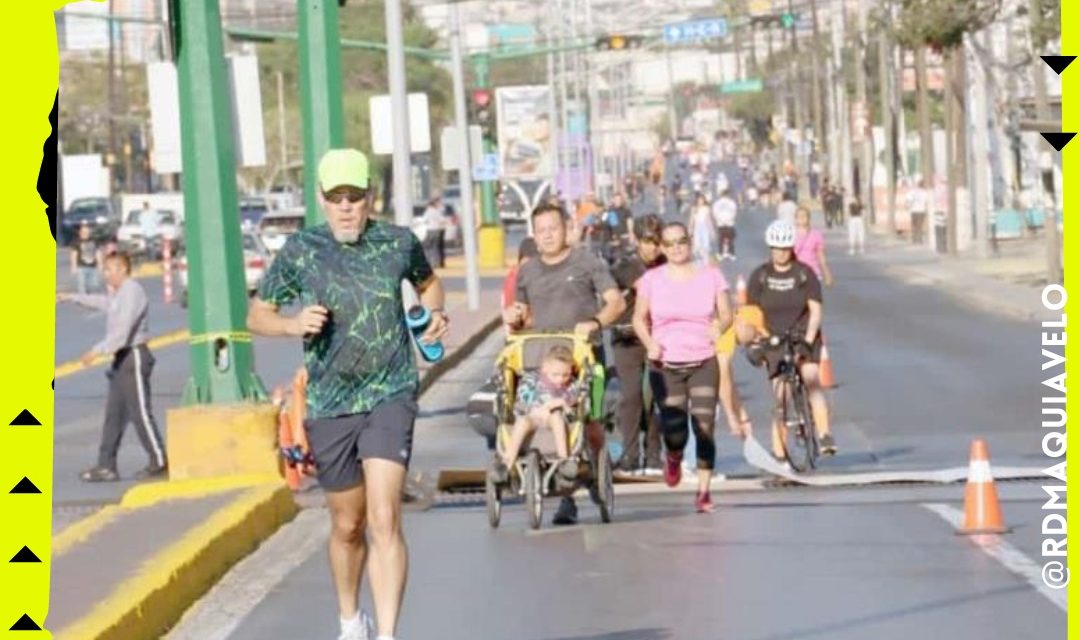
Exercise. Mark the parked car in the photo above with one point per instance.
(276, 227)
(252, 210)
(130, 235)
(256, 261)
(99, 213)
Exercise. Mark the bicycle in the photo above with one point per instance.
(793, 411)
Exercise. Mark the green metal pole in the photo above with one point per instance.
(222, 362)
(488, 216)
(321, 108)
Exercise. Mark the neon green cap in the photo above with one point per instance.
(343, 168)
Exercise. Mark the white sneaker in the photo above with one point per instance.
(359, 628)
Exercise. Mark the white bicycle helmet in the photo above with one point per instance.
(780, 235)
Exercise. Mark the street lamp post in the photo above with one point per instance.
(395, 62)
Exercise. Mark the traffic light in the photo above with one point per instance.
(619, 42)
(483, 111)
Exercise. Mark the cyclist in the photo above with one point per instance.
(789, 295)
(681, 309)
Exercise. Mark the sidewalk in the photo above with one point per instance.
(131, 570)
(1009, 283)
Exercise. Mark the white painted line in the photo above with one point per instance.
(218, 613)
(1009, 556)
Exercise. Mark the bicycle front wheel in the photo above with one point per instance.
(797, 436)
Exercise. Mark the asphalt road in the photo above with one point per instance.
(919, 377)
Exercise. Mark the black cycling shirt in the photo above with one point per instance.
(783, 296)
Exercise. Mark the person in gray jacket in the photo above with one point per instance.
(126, 333)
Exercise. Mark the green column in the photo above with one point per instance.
(321, 107)
(222, 362)
(489, 217)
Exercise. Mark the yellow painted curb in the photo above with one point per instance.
(80, 531)
(148, 270)
(150, 602)
(151, 493)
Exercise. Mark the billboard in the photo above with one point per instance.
(524, 126)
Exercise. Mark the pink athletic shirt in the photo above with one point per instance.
(807, 246)
(681, 312)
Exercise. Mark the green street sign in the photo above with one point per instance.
(752, 85)
(788, 20)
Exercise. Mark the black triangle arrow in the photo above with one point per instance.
(25, 624)
(25, 419)
(1058, 139)
(25, 486)
(1058, 63)
(25, 555)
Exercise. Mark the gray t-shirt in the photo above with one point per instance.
(564, 294)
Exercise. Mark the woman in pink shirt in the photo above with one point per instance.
(810, 246)
(681, 309)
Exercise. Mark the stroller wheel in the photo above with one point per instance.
(534, 489)
(604, 488)
(493, 495)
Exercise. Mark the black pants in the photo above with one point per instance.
(129, 400)
(630, 367)
(918, 227)
(726, 237)
(683, 393)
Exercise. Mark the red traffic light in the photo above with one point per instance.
(481, 97)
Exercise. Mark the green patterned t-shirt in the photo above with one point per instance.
(363, 355)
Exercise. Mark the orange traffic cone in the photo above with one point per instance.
(982, 513)
(827, 380)
(740, 290)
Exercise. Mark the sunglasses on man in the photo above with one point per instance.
(345, 195)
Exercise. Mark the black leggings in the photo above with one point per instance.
(694, 388)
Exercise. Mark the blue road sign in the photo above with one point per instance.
(695, 31)
(488, 168)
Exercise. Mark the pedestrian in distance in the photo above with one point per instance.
(919, 205)
(362, 378)
(435, 238)
(785, 211)
(87, 259)
(724, 212)
(680, 311)
(810, 246)
(703, 231)
(562, 290)
(127, 329)
(629, 355)
(856, 228)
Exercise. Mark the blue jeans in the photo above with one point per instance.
(87, 279)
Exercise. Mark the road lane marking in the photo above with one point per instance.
(221, 610)
(74, 366)
(1009, 556)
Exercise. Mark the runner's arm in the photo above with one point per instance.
(614, 305)
(641, 321)
(265, 319)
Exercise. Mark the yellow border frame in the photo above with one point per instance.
(1070, 121)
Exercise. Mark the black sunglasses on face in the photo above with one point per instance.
(683, 241)
(351, 195)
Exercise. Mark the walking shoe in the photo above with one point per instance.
(99, 474)
(566, 513)
(359, 627)
(703, 502)
(673, 469)
(152, 471)
(625, 466)
(828, 445)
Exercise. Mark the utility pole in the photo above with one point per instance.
(672, 118)
(113, 107)
(822, 145)
(399, 104)
(281, 121)
(553, 112)
(843, 105)
(321, 109)
(222, 359)
(887, 84)
(468, 213)
(866, 162)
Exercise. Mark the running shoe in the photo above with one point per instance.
(566, 513)
(568, 469)
(360, 628)
(673, 469)
(828, 445)
(703, 502)
(151, 471)
(498, 472)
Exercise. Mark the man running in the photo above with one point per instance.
(362, 377)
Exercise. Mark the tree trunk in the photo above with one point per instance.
(926, 136)
(950, 153)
